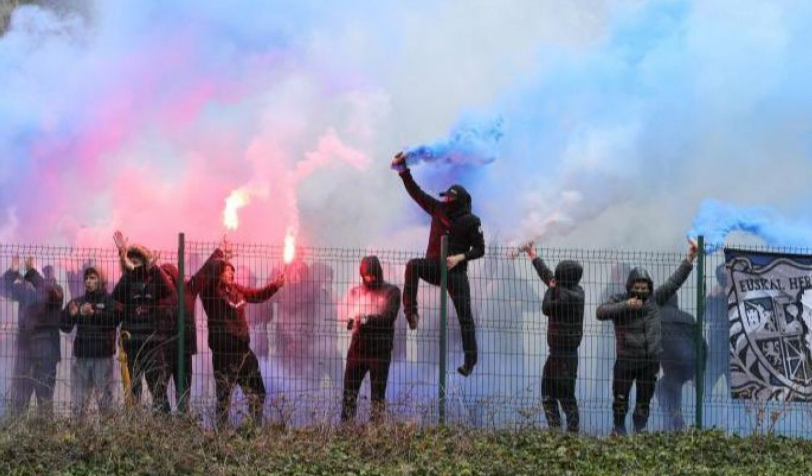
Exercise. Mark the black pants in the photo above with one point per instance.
(357, 368)
(147, 358)
(669, 391)
(174, 365)
(558, 386)
(34, 375)
(458, 288)
(238, 366)
(627, 372)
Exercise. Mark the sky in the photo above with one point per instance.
(622, 124)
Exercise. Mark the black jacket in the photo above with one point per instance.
(40, 308)
(464, 229)
(225, 307)
(638, 333)
(140, 294)
(563, 304)
(679, 335)
(374, 310)
(95, 334)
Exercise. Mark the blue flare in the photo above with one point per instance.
(716, 220)
(470, 143)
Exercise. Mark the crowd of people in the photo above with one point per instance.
(140, 316)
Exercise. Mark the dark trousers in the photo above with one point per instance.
(174, 365)
(238, 366)
(627, 372)
(458, 288)
(669, 391)
(147, 359)
(558, 386)
(34, 375)
(357, 368)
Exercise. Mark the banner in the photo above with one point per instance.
(770, 314)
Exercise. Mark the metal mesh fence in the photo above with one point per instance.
(293, 343)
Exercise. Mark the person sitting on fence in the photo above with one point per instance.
(466, 242)
(371, 311)
(678, 361)
(140, 293)
(234, 362)
(638, 333)
(564, 304)
(95, 318)
(40, 304)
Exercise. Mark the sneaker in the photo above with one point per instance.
(412, 318)
(465, 370)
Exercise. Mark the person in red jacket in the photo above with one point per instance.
(225, 301)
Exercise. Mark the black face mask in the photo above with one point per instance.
(641, 295)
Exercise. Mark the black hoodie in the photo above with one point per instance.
(638, 333)
(374, 308)
(563, 304)
(464, 229)
(95, 334)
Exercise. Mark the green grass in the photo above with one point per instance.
(139, 444)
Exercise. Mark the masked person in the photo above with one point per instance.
(95, 318)
(563, 304)
(636, 315)
(141, 294)
(466, 243)
(372, 309)
(40, 300)
(225, 301)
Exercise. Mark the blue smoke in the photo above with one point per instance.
(716, 220)
(470, 143)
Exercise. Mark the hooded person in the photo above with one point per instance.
(95, 318)
(466, 243)
(191, 290)
(141, 295)
(678, 361)
(371, 311)
(563, 304)
(636, 315)
(225, 301)
(40, 300)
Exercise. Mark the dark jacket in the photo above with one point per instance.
(464, 229)
(140, 294)
(225, 307)
(95, 334)
(679, 335)
(40, 308)
(638, 333)
(563, 304)
(191, 290)
(378, 305)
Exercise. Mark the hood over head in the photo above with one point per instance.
(370, 265)
(568, 273)
(92, 269)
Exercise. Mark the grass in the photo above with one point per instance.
(142, 444)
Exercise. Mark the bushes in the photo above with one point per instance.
(140, 443)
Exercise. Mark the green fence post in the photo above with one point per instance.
(181, 292)
(699, 334)
(443, 326)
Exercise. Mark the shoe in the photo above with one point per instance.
(412, 318)
(465, 370)
(618, 431)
